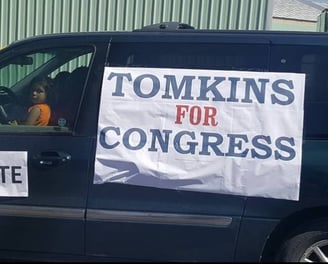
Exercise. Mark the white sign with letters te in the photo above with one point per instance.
(229, 132)
(13, 169)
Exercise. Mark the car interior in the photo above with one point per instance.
(67, 67)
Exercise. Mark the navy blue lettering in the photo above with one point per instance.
(257, 144)
(258, 92)
(102, 137)
(233, 90)
(185, 85)
(164, 143)
(177, 143)
(154, 90)
(291, 152)
(276, 87)
(205, 88)
(119, 82)
(142, 139)
(233, 144)
(214, 144)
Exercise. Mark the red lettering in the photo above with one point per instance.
(196, 115)
(181, 112)
(210, 114)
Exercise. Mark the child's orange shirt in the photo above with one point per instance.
(45, 114)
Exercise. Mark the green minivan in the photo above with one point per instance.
(166, 144)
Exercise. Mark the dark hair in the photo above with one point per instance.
(49, 87)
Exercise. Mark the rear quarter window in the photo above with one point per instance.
(313, 61)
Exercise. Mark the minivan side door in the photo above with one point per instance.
(51, 218)
(145, 223)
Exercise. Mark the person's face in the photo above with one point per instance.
(38, 94)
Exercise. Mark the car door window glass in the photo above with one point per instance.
(67, 70)
(313, 61)
(190, 56)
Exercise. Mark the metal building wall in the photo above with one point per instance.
(24, 18)
(322, 22)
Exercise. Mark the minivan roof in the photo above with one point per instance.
(158, 32)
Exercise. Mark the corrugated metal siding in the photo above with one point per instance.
(322, 22)
(23, 18)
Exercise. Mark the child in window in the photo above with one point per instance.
(41, 95)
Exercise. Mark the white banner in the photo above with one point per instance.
(230, 132)
(13, 170)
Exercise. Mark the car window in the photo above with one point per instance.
(311, 60)
(21, 66)
(65, 70)
(228, 56)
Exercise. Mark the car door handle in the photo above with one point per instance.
(51, 158)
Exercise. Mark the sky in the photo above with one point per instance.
(319, 1)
